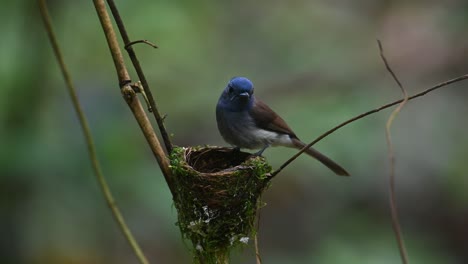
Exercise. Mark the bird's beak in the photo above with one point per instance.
(244, 95)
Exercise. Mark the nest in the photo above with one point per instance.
(217, 197)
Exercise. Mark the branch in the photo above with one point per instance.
(144, 41)
(393, 204)
(435, 87)
(87, 134)
(136, 64)
(258, 258)
(130, 95)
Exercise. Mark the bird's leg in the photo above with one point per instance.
(259, 153)
(236, 149)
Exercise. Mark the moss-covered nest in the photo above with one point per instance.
(217, 196)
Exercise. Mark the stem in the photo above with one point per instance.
(391, 156)
(258, 257)
(141, 75)
(130, 96)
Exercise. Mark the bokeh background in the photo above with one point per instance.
(315, 62)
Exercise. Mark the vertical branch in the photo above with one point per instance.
(88, 138)
(391, 156)
(257, 248)
(109, 32)
(141, 75)
(129, 94)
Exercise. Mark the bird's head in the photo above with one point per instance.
(240, 87)
(238, 93)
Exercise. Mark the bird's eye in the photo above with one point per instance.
(230, 89)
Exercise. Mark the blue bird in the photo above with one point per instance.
(246, 122)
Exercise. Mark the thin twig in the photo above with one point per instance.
(141, 75)
(87, 134)
(130, 96)
(435, 87)
(389, 69)
(391, 155)
(144, 41)
(257, 248)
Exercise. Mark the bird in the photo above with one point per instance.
(246, 122)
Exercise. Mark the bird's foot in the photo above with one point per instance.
(260, 152)
(236, 149)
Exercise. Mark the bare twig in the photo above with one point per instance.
(87, 134)
(389, 69)
(257, 248)
(144, 41)
(138, 88)
(129, 94)
(141, 75)
(392, 197)
(435, 87)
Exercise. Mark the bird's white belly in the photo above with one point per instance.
(272, 138)
(240, 130)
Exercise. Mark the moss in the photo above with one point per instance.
(217, 195)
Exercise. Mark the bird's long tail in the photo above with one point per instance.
(322, 158)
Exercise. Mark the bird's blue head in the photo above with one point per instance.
(240, 86)
(238, 94)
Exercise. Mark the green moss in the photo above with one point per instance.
(217, 209)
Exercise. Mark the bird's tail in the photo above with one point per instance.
(322, 158)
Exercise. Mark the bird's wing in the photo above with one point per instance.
(267, 119)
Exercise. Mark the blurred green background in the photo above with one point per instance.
(315, 62)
